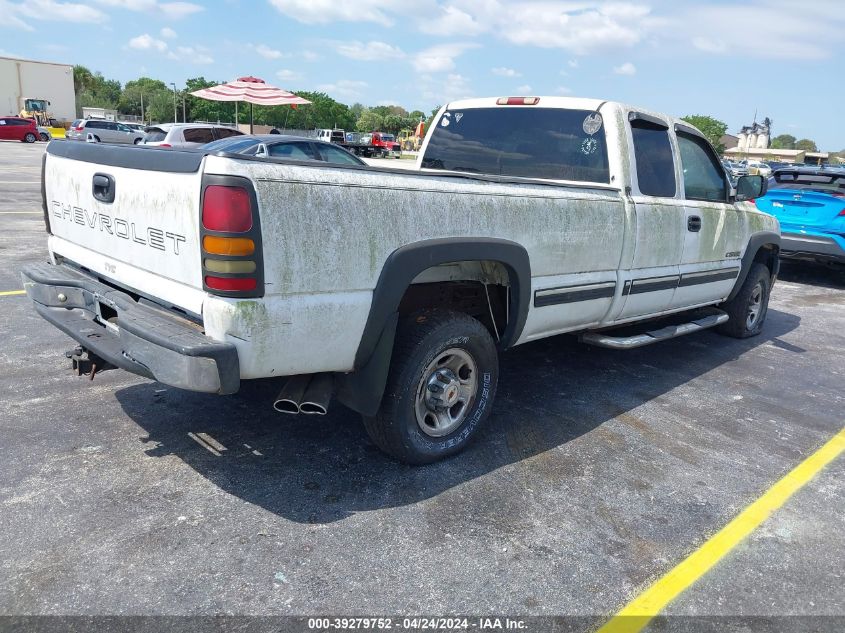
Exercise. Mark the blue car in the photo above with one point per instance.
(809, 203)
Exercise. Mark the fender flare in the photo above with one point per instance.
(755, 243)
(362, 389)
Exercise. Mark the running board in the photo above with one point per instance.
(603, 339)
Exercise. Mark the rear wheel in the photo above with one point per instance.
(29, 138)
(440, 389)
(136, 141)
(45, 136)
(748, 309)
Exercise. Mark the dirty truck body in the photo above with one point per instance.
(393, 291)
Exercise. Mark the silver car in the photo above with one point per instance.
(103, 131)
(187, 134)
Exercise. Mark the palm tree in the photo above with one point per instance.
(82, 79)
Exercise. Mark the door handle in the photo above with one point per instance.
(103, 188)
(694, 223)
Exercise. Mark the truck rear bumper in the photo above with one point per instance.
(141, 339)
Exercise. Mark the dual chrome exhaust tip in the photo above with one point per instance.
(307, 394)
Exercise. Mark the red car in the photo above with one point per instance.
(15, 128)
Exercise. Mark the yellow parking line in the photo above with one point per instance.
(636, 614)
(12, 293)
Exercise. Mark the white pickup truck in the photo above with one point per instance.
(393, 291)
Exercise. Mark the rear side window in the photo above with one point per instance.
(198, 135)
(298, 151)
(332, 154)
(93, 125)
(225, 132)
(704, 178)
(155, 135)
(526, 142)
(654, 159)
(226, 145)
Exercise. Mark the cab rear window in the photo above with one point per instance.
(549, 143)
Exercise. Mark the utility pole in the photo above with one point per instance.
(184, 118)
(175, 112)
(142, 106)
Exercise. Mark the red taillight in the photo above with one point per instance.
(165, 145)
(79, 128)
(841, 214)
(231, 284)
(226, 209)
(517, 100)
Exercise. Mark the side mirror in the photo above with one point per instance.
(751, 187)
(262, 151)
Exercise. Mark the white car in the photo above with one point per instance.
(186, 134)
(755, 167)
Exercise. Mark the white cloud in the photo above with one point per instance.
(581, 28)
(171, 10)
(57, 11)
(344, 88)
(194, 55)
(625, 69)
(268, 53)
(524, 89)
(288, 75)
(369, 52)
(130, 5)
(451, 21)
(505, 72)
(147, 42)
(168, 33)
(178, 10)
(815, 32)
(572, 63)
(440, 58)
(309, 56)
(439, 90)
(326, 11)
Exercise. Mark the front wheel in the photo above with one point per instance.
(29, 138)
(748, 309)
(440, 388)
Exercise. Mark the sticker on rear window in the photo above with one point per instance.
(592, 123)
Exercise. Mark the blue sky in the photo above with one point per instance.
(782, 58)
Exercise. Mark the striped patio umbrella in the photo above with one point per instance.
(252, 90)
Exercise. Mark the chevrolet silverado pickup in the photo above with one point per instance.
(395, 291)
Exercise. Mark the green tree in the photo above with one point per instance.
(148, 91)
(82, 78)
(713, 129)
(369, 121)
(806, 145)
(784, 141)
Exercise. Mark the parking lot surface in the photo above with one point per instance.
(598, 471)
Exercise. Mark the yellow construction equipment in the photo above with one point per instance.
(37, 109)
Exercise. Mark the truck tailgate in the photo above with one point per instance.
(110, 206)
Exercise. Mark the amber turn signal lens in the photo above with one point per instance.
(228, 245)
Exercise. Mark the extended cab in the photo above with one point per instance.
(394, 291)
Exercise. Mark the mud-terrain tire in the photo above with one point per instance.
(748, 309)
(440, 387)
